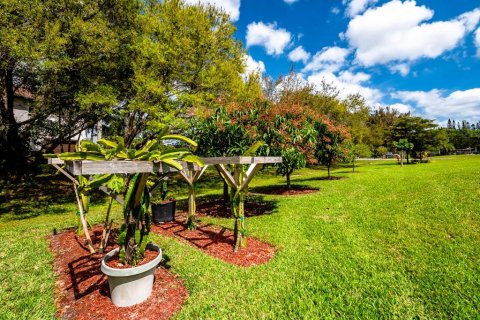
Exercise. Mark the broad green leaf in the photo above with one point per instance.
(107, 143)
(70, 156)
(173, 163)
(194, 159)
(181, 138)
(252, 151)
(99, 180)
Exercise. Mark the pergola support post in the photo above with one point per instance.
(191, 175)
(83, 221)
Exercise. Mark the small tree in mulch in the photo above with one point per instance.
(292, 160)
(330, 144)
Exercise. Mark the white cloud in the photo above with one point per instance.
(328, 59)
(470, 19)
(251, 65)
(435, 103)
(232, 7)
(274, 39)
(402, 68)
(299, 54)
(290, 1)
(400, 107)
(356, 7)
(397, 32)
(335, 10)
(348, 83)
(477, 41)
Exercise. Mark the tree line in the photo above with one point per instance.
(143, 67)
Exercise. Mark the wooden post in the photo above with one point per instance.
(191, 224)
(84, 222)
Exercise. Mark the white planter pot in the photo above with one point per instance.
(133, 285)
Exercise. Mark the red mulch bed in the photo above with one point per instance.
(284, 191)
(217, 242)
(217, 208)
(81, 289)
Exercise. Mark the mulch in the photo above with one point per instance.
(217, 242)
(283, 190)
(217, 208)
(81, 289)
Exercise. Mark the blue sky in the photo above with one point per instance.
(420, 56)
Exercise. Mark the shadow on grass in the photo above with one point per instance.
(332, 178)
(44, 193)
(282, 190)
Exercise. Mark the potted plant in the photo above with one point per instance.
(164, 211)
(129, 286)
(130, 276)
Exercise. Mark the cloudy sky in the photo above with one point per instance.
(420, 56)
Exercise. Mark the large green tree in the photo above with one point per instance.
(416, 130)
(66, 56)
(136, 65)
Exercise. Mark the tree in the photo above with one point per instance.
(221, 134)
(355, 151)
(184, 57)
(404, 146)
(140, 65)
(416, 130)
(330, 143)
(65, 55)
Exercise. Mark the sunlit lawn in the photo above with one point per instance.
(386, 242)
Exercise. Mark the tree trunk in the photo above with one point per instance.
(15, 155)
(288, 180)
(353, 169)
(328, 168)
(407, 157)
(226, 195)
(401, 157)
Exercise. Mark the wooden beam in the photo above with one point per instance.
(117, 198)
(251, 172)
(66, 174)
(85, 167)
(227, 176)
(240, 160)
(198, 174)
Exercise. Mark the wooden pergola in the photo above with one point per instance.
(232, 170)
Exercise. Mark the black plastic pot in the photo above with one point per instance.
(163, 212)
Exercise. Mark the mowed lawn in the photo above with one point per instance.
(386, 242)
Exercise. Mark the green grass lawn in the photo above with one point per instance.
(386, 242)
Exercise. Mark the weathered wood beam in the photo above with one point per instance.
(251, 172)
(198, 174)
(85, 167)
(240, 160)
(227, 176)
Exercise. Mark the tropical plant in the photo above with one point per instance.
(136, 209)
(292, 159)
(404, 146)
